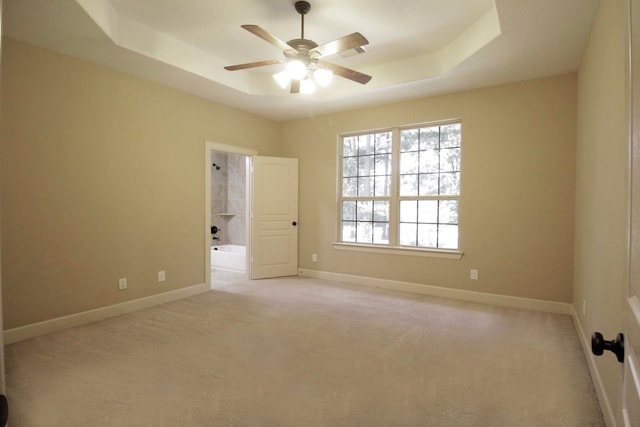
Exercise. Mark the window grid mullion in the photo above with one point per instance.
(439, 186)
(394, 204)
(417, 218)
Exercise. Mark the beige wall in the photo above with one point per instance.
(601, 187)
(102, 178)
(517, 195)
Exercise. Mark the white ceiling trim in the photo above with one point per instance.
(139, 38)
(142, 39)
(433, 64)
(417, 48)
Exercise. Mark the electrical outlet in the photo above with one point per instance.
(474, 274)
(161, 276)
(314, 257)
(122, 284)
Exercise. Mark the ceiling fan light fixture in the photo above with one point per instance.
(297, 70)
(305, 69)
(307, 87)
(323, 76)
(283, 78)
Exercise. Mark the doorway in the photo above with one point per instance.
(227, 197)
(229, 211)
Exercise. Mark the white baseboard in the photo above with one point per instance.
(603, 398)
(60, 323)
(459, 294)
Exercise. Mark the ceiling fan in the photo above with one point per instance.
(304, 57)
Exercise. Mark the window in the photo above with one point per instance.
(401, 187)
(366, 188)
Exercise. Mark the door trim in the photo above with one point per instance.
(209, 147)
(3, 388)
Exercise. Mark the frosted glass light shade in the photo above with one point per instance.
(307, 86)
(323, 76)
(283, 79)
(297, 70)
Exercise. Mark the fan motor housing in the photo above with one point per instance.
(302, 46)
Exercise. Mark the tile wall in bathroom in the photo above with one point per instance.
(229, 197)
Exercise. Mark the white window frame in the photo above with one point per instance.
(393, 247)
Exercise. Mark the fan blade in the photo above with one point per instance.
(253, 64)
(347, 73)
(351, 41)
(265, 35)
(295, 86)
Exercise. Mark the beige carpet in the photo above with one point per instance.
(303, 352)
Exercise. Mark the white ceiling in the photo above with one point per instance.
(416, 47)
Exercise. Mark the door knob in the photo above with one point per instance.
(294, 223)
(4, 410)
(599, 345)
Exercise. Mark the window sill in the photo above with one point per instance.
(399, 250)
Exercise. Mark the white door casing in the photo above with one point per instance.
(3, 400)
(274, 216)
(2, 380)
(631, 328)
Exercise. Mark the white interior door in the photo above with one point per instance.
(631, 381)
(274, 216)
(631, 328)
